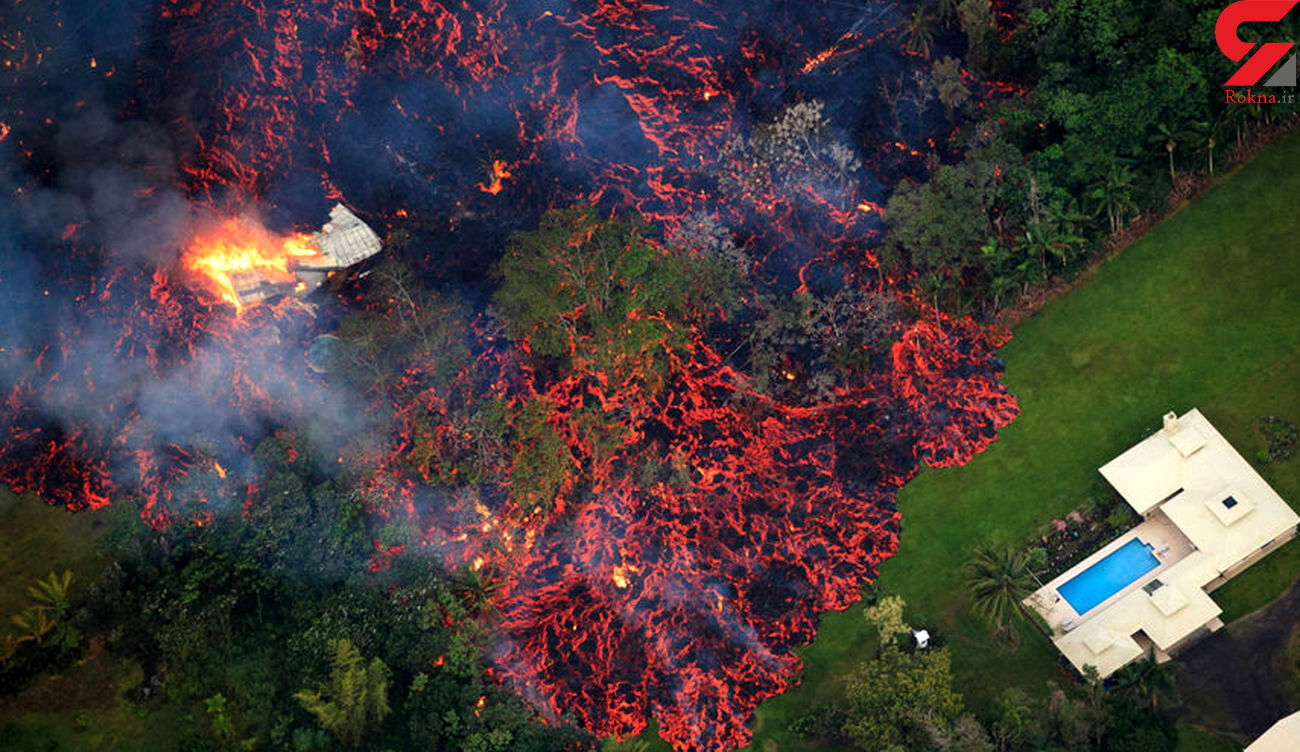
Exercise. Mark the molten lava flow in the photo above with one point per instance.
(685, 602)
(238, 253)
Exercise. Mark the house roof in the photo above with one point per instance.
(345, 239)
(1283, 736)
(1226, 510)
(1147, 474)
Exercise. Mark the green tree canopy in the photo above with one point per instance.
(355, 698)
(1149, 681)
(601, 295)
(939, 227)
(894, 699)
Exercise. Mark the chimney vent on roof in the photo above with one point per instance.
(1171, 422)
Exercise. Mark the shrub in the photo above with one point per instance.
(1280, 435)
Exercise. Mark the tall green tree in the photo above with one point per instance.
(1200, 134)
(941, 226)
(354, 700)
(949, 85)
(918, 32)
(601, 295)
(1019, 720)
(887, 617)
(976, 19)
(1112, 195)
(1166, 137)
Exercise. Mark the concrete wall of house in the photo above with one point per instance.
(1258, 554)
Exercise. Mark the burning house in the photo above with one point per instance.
(343, 241)
(248, 269)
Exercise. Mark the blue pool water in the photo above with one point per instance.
(1108, 576)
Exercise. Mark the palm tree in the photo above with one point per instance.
(946, 10)
(35, 620)
(1064, 221)
(1203, 134)
(933, 284)
(998, 580)
(52, 592)
(1037, 244)
(1113, 194)
(1149, 680)
(1094, 700)
(1001, 285)
(1168, 138)
(1001, 281)
(476, 585)
(918, 34)
(1240, 116)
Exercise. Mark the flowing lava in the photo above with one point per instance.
(678, 598)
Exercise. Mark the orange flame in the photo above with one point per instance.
(239, 247)
(500, 173)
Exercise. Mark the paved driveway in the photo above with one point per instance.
(1233, 681)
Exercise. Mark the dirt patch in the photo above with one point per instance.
(1234, 682)
(96, 683)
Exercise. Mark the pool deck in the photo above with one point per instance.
(1167, 542)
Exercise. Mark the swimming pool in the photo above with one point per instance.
(1108, 576)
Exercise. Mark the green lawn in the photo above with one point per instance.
(36, 539)
(1202, 312)
(1192, 739)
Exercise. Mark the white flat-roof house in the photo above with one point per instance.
(1283, 736)
(1207, 515)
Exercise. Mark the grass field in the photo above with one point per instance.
(36, 539)
(1202, 312)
